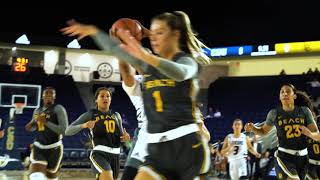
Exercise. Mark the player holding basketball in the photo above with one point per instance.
(50, 122)
(176, 148)
(132, 85)
(291, 156)
(107, 133)
(235, 147)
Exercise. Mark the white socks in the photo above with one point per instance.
(37, 176)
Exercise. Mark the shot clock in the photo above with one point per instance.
(20, 64)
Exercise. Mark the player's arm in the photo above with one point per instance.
(127, 73)
(204, 131)
(84, 121)
(133, 53)
(62, 117)
(32, 125)
(266, 127)
(1, 128)
(251, 149)
(226, 147)
(311, 130)
(125, 137)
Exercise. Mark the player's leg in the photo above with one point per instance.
(136, 158)
(285, 166)
(100, 162)
(54, 162)
(38, 166)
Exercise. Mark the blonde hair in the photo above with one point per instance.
(179, 20)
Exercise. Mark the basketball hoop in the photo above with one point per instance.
(19, 108)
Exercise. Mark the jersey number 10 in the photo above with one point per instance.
(110, 126)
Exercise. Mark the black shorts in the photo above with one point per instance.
(183, 158)
(313, 172)
(287, 165)
(50, 157)
(103, 161)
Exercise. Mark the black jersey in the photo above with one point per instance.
(314, 147)
(106, 131)
(44, 135)
(287, 124)
(168, 103)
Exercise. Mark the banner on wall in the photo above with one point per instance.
(83, 65)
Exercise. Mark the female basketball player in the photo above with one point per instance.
(291, 157)
(107, 133)
(313, 148)
(50, 122)
(175, 148)
(235, 147)
(132, 85)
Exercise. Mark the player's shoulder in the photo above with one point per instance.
(59, 106)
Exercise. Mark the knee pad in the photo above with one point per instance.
(37, 176)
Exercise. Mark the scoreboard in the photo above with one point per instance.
(20, 64)
(264, 50)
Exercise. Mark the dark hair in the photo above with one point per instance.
(303, 99)
(49, 88)
(102, 89)
(238, 119)
(189, 43)
(291, 86)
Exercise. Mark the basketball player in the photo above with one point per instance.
(291, 156)
(313, 150)
(175, 149)
(235, 147)
(107, 133)
(131, 84)
(50, 122)
(1, 129)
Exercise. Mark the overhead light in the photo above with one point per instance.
(23, 40)
(74, 44)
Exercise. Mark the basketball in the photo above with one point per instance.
(134, 27)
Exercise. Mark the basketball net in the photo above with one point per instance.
(18, 108)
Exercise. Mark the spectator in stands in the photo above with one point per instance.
(292, 151)
(283, 72)
(217, 113)
(309, 71)
(50, 121)
(316, 71)
(169, 91)
(210, 113)
(107, 133)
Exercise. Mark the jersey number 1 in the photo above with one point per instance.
(40, 126)
(316, 148)
(158, 101)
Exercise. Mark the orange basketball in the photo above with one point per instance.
(132, 25)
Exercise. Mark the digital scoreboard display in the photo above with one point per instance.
(20, 64)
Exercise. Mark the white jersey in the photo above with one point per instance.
(135, 94)
(240, 149)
